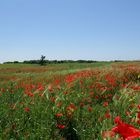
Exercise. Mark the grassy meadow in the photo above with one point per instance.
(88, 101)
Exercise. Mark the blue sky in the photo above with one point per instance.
(69, 29)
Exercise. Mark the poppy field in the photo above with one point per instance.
(98, 101)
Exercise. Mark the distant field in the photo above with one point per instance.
(21, 71)
(73, 101)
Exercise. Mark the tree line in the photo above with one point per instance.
(50, 61)
(42, 61)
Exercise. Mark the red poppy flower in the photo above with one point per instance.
(71, 107)
(27, 109)
(108, 115)
(61, 126)
(139, 115)
(128, 132)
(117, 120)
(105, 104)
(138, 122)
(57, 82)
(59, 115)
(40, 88)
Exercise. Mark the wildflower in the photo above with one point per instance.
(40, 88)
(138, 106)
(108, 115)
(57, 82)
(27, 109)
(69, 78)
(117, 120)
(61, 126)
(138, 122)
(71, 107)
(30, 94)
(59, 115)
(139, 115)
(128, 132)
(105, 104)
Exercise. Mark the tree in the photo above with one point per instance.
(42, 60)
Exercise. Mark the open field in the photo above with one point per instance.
(15, 72)
(98, 101)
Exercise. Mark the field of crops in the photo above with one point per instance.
(98, 101)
